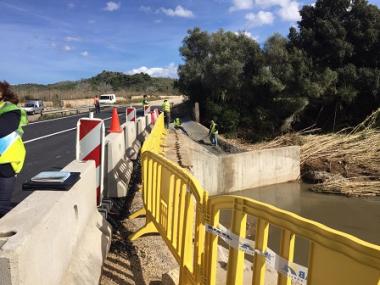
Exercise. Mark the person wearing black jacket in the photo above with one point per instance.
(12, 150)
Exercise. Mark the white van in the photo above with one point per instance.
(107, 99)
(34, 107)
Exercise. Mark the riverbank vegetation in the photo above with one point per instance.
(324, 76)
(346, 162)
(326, 73)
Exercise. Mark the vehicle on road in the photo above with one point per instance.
(107, 99)
(34, 107)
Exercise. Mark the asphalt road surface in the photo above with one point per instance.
(50, 145)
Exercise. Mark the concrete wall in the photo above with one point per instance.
(53, 231)
(258, 168)
(234, 172)
(204, 165)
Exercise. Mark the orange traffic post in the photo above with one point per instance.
(115, 122)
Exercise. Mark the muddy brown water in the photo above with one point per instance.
(359, 217)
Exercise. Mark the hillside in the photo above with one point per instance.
(105, 82)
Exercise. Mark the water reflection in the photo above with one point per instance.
(357, 216)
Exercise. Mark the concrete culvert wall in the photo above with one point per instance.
(220, 172)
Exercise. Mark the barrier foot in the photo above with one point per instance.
(137, 214)
(149, 228)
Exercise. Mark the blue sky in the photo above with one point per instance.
(46, 41)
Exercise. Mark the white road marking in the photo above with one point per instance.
(49, 135)
(58, 133)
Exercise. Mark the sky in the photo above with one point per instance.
(46, 41)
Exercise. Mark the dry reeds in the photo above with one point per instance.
(351, 157)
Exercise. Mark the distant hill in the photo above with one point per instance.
(105, 82)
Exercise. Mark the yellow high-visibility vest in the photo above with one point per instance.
(166, 106)
(12, 149)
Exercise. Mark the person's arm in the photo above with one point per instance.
(9, 122)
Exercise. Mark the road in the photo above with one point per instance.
(50, 145)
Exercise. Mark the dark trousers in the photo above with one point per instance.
(6, 188)
(167, 119)
(97, 108)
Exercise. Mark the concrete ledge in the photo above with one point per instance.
(229, 173)
(49, 230)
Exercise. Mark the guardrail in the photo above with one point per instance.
(77, 110)
(178, 208)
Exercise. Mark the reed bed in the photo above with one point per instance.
(349, 160)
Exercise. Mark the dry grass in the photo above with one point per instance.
(350, 158)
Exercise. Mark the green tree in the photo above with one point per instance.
(342, 38)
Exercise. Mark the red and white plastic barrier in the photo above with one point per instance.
(146, 110)
(131, 114)
(90, 146)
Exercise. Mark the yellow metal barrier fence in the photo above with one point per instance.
(334, 257)
(174, 207)
(178, 208)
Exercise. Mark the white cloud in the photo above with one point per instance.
(271, 3)
(167, 71)
(288, 9)
(84, 53)
(179, 11)
(67, 48)
(259, 19)
(290, 12)
(247, 34)
(241, 5)
(72, 39)
(112, 6)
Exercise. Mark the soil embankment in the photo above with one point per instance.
(138, 262)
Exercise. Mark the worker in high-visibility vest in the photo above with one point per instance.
(177, 123)
(145, 100)
(213, 133)
(166, 109)
(12, 149)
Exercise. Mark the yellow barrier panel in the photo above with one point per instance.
(174, 206)
(334, 257)
(178, 208)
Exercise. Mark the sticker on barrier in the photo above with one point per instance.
(294, 271)
(146, 110)
(90, 146)
(131, 114)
